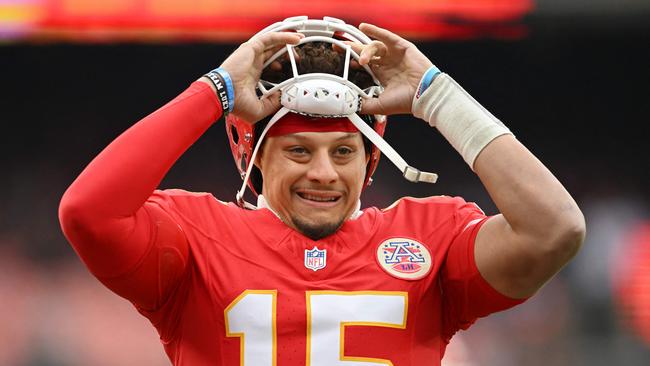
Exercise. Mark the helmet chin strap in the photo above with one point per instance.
(240, 193)
(410, 173)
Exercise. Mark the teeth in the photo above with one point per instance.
(318, 198)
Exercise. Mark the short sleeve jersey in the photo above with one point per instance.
(389, 287)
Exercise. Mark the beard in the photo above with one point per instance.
(316, 231)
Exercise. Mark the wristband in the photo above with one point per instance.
(217, 78)
(426, 80)
(229, 87)
(464, 122)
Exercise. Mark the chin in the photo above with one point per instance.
(318, 230)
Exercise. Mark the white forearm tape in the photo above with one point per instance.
(460, 118)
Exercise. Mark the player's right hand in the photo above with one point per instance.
(245, 68)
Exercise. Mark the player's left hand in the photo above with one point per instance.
(245, 69)
(399, 66)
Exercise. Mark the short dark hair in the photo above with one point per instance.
(318, 57)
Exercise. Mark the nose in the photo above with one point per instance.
(322, 169)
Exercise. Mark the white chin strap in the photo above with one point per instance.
(410, 173)
(240, 193)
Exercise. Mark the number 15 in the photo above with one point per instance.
(252, 318)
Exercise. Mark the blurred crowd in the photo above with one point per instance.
(574, 101)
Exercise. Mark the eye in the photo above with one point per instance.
(297, 150)
(343, 151)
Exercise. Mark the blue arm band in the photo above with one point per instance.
(427, 79)
(229, 87)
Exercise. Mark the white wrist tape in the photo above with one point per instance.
(460, 118)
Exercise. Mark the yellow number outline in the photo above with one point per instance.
(241, 335)
(342, 356)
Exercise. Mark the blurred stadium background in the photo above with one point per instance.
(571, 79)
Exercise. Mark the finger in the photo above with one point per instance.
(272, 51)
(338, 48)
(369, 51)
(276, 66)
(268, 53)
(356, 47)
(372, 106)
(296, 55)
(372, 51)
(381, 34)
(272, 40)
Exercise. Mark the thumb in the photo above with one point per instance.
(270, 104)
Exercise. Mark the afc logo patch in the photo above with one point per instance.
(315, 259)
(404, 258)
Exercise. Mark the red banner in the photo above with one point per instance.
(230, 21)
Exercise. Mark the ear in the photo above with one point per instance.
(260, 155)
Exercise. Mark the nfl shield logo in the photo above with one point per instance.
(315, 259)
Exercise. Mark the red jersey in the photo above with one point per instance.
(256, 292)
(226, 286)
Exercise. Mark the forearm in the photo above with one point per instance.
(119, 180)
(530, 198)
(540, 226)
(534, 203)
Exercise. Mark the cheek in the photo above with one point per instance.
(357, 175)
(279, 176)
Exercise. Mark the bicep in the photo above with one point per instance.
(511, 262)
(466, 293)
(141, 258)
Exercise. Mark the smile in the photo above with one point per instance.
(319, 198)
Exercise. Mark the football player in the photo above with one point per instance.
(306, 277)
